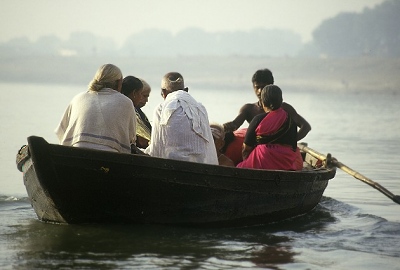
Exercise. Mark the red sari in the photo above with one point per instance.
(234, 149)
(273, 155)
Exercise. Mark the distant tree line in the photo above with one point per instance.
(159, 43)
(373, 32)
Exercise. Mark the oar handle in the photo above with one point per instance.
(312, 152)
(333, 161)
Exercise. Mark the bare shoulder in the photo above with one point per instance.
(248, 107)
(288, 108)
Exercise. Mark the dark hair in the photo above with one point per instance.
(271, 97)
(131, 84)
(263, 76)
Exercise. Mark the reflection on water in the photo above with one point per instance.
(43, 245)
(114, 246)
(318, 237)
(271, 257)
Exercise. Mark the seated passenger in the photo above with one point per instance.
(260, 79)
(218, 135)
(138, 91)
(181, 129)
(143, 129)
(100, 118)
(271, 138)
(233, 145)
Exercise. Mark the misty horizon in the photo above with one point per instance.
(345, 53)
(345, 35)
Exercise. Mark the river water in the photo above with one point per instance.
(354, 226)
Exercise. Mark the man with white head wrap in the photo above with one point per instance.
(100, 118)
(180, 125)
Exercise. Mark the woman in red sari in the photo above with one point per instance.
(271, 138)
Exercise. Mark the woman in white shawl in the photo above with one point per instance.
(100, 118)
(181, 129)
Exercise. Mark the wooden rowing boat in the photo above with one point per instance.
(77, 185)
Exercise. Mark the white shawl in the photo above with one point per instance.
(105, 118)
(181, 130)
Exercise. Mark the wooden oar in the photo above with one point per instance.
(333, 161)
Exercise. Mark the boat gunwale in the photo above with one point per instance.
(58, 151)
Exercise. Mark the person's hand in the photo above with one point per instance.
(136, 150)
(229, 127)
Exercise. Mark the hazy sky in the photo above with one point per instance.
(118, 19)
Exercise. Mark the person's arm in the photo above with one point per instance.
(63, 125)
(304, 126)
(238, 121)
(136, 150)
(250, 140)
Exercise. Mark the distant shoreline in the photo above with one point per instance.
(345, 74)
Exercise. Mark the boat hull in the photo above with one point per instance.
(75, 185)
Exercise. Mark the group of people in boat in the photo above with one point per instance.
(108, 117)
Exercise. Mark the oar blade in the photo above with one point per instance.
(333, 161)
(396, 199)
